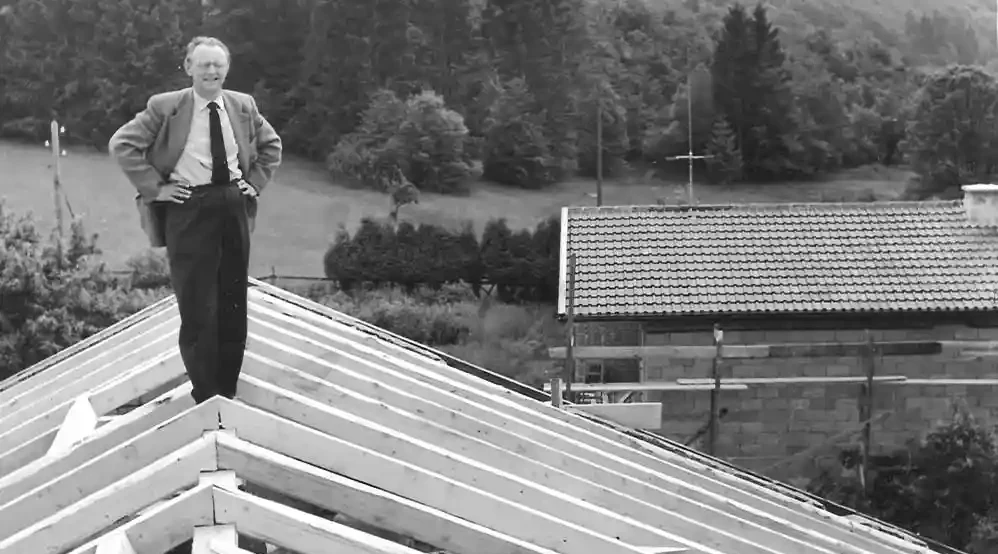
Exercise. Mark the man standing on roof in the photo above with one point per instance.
(199, 158)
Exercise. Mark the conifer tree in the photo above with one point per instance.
(751, 86)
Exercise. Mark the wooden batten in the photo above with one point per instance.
(787, 350)
(655, 386)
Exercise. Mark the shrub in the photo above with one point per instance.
(510, 340)
(150, 270)
(523, 265)
(434, 141)
(517, 151)
(944, 487)
(54, 293)
(418, 142)
(429, 324)
(374, 153)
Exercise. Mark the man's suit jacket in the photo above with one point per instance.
(149, 146)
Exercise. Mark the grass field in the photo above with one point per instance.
(301, 210)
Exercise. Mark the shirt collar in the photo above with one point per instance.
(201, 103)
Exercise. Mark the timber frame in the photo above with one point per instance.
(418, 450)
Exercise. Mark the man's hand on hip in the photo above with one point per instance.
(175, 191)
(247, 189)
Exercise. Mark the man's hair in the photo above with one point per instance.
(207, 41)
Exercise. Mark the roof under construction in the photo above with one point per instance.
(398, 439)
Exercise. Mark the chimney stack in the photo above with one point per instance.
(980, 203)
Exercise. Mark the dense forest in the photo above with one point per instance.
(431, 94)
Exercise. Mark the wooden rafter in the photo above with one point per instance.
(536, 458)
(310, 347)
(372, 428)
(336, 493)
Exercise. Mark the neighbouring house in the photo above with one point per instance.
(346, 438)
(811, 300)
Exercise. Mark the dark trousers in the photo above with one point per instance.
(208, 245)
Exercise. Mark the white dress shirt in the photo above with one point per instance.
(194, 165)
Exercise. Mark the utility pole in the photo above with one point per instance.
(599, 147)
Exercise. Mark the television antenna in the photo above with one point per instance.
(689, 157)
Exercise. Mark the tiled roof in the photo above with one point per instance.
(399, 439)
(646, 261)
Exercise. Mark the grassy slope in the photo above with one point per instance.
(302, 210)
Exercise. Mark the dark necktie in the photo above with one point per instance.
(219, 161)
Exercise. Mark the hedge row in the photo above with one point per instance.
(521, 265)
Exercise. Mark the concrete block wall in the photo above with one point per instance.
(767, 423)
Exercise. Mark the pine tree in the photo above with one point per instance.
(751, 85)
(725, 162)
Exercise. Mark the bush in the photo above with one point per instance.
(150, 270)
(510, 340)
(419, 142)
(517, 151)
(374, 153)
(523, 266)
(944, 487)
(54, 293)
(429, 324)
(435, 141)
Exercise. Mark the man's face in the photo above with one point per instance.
(208, 65)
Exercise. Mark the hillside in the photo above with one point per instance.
(885, 20)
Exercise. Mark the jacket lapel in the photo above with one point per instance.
(238, 116)
(180, 127)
